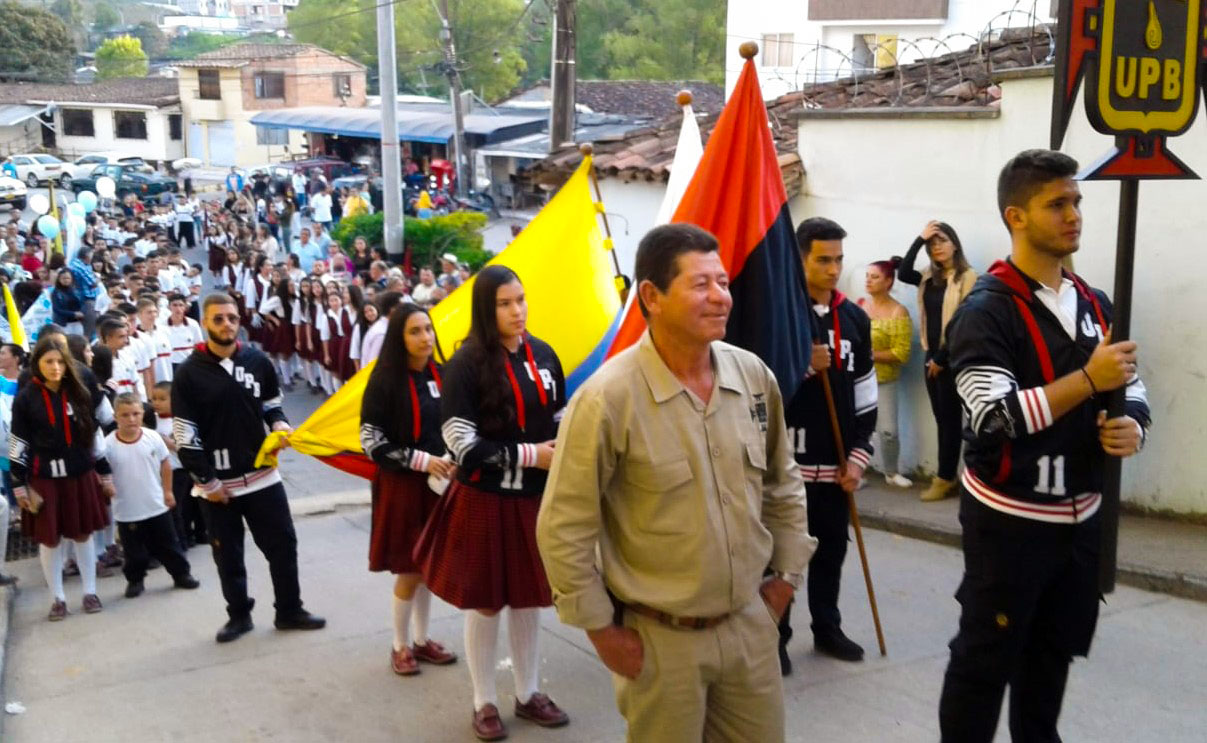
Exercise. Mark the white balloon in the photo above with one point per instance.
(106, 187)
(40, 203)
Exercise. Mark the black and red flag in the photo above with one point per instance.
(738, 195)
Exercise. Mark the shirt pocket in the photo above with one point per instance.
(754, 462)
(660, 496)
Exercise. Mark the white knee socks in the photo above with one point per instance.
(481, 641)
(523, 629)
(85, 557)
(52, 569)
(422, 610)
(402, 617)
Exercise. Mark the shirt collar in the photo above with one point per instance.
(664, 384)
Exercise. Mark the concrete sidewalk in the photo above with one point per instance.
(1154, 554)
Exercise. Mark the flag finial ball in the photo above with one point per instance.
(748, 50)
(684, 97)
(586, 148)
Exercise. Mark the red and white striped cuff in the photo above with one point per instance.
(19, 491)
(106, 479)
(819, 473)
(860, 457)
(419, 460)
(526, 454)
(1035, 409)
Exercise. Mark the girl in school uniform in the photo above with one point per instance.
(502, 397)
(334, 339)
(400, 431)
(278, 310)
(317, 314)
(301, 333)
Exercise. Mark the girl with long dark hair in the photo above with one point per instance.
(54, 469)
(504, 392)
(941, 288)
(333, 338)
(279, 309)
(400, 431)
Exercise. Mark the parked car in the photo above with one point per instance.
(36, 169)
(85, 164)
(13, 192)
(138, 178)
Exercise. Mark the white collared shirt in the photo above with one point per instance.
(1062, 304)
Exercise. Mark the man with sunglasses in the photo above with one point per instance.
(225, 398)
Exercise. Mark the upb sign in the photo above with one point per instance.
(1142, 60)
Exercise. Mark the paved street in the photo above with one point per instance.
(149, 670)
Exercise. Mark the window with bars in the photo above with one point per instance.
(209, 85)
(342, 85)
(78, 122)
(270, 85)
(778, 50)
(175, 127)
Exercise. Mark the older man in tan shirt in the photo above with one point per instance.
(674, 461)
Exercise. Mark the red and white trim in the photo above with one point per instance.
(860, 457)
(1069, 510)
(1036, 412)
(819, 473)
(243, 485)
(420, 460)
(527, 454)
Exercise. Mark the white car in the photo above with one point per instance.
(85, 164)
(36, 169)
(13, 192)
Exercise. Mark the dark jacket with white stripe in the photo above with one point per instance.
(503, 461)
(387, 419)
(1005, 346)
(853, 381)
(222, 410)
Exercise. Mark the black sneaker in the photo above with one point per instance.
(302, 619)
(234, 629)
(134, 589)
(837, 645)
(186, 582)
(785, 661)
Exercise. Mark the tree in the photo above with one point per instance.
(660, 40)
(193, 43)
(34, 44)
(70, 11)
(154, 42)
(121, 56)
(105, 17)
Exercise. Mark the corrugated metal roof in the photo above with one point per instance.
(11, 115)
(413, 125)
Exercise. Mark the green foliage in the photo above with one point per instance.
(105, 16)
(661, 40)
(154, 42)
(70, 11)
(458, 233)
(193, 43)
(34, 45)
(121, 56)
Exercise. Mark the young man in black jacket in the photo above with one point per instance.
(1033, 358)
(225, 396)
(843, 351)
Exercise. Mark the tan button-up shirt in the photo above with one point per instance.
(687, 502)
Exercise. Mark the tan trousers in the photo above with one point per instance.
(720, 684)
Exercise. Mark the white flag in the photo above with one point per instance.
(688, 152)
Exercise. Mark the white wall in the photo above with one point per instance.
(22, 137)
(632, 208)
(883, 179)
(748, 20)
(157, 145)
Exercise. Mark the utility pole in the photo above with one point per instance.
(460, 158)
(391, 166)
(562, 76)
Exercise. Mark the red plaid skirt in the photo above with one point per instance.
(479, 551)
(402, 502)
(72, 507)
(280, 339)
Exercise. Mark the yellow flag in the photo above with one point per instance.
(572, 302)
(15, 327)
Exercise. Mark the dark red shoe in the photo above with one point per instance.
(403, 662)
(92, 603)
(58, 611)
(541, 710)
(487, 725)
(434, 653)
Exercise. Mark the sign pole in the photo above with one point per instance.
(1121, 319)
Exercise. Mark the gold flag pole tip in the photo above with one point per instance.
(684, 98)
(748, 49)
(587, 149)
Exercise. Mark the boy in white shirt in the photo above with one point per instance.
(142, 476)
(155, 340)
(183, 332)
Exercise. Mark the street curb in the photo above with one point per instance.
(316, 505)
(6, 615)
(1137, 576)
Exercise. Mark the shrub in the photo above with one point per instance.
(458, 233)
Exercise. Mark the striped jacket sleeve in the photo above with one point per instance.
(866, 396)
(190, 449)
(375, 419)
(982, 360)
(458, 410)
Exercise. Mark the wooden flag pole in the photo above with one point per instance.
(587, 149)
(842, 465)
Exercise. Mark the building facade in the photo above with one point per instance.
(220, 91)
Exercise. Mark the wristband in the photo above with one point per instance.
(1088, 379)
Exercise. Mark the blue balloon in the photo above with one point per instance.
(76, 209)
(48, 226)
(86, 199)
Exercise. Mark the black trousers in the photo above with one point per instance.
(267, 515)
(828, 521)
(184, 232)
(1029, 603)
(190, 526)
(945, 404)
(153, 537)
